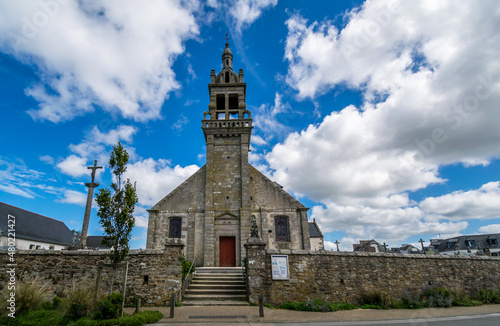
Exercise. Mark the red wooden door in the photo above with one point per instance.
(227, 251)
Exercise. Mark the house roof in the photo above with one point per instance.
(95, 241)
(468, 242)
(36, 227)
(314, 231)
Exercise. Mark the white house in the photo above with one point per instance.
(32, 231)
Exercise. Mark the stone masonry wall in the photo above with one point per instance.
(153, 275)
(345, 276)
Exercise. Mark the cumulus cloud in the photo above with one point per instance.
(245, 12)
(115, 55)
(429, 99)
(73, 197)
(156, 179)
(93, 147)
(483, 203)
(492, 228)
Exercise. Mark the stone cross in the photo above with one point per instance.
(385, 248)
(90, 196)
(422, 243)
(337, 243)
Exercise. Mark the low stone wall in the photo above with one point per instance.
(153, 275)
(345, 276)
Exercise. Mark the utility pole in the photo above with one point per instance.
(90, 196)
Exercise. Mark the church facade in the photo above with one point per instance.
(211, 212)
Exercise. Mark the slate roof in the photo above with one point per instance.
(490, 241)
(314, 231)
(32, 226)
(94, 241)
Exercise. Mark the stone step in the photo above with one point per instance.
(216, 278)
(216, 286)
(224, 270)
(218, 291)
(215, 303)
(204, 286)
(217, 297)
(218, 281)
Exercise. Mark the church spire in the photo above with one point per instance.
(227, 58)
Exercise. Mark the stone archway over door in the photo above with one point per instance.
(227, 251)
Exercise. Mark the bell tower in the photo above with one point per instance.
(227, 127)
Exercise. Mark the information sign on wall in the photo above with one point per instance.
(279, 267)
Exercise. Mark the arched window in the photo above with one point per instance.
(227, 76)
(175, 227)
(281, 227)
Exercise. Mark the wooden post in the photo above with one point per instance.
(98, 282)
(138, 305)
(124, 287)
(172, 305)
(261, 306)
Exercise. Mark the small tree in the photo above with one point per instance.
(115, 210)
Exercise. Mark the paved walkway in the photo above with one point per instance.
(196, 315)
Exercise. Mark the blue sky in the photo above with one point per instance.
(381, 116)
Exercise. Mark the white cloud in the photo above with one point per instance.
(492, 228)
(121, 133)
(12, 189)
(156, 179)
(47, 159)
(141, 217)
(483, 203)
(245, 12)
(428, 74)
(116, 55)
(73, 197)
(74, 166)
(93, 147)
(267, 119)
(17, 179)
(257, 140)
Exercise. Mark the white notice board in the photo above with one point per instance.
(279, 267)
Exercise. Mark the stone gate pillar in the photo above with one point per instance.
(255, 268)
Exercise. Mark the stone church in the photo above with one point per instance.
(211, 212)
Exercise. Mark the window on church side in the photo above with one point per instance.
(281, 226)
(227, 77)
(175, 227)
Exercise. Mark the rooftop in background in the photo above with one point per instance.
(95, 242)
(468, 244)
(35, 227)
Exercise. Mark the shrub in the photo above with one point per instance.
(139, 319)
(316, 305)
(40, 317)
(80, 303)
(29, 296)
(437, 297)
(488, 296)
(186, 265)
(109, 307)
(375, 299)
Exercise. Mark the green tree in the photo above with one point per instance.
(116, 209)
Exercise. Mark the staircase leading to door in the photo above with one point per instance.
(217, 286)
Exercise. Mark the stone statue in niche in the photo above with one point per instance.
(254, 233)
